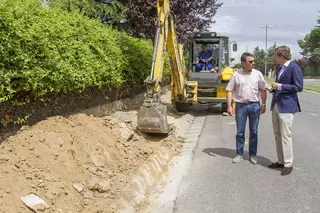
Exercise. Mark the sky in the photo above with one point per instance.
(241, 20)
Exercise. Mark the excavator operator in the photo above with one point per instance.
(206, 56)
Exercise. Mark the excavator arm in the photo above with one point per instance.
(152, 116)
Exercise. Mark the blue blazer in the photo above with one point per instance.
(292, 83)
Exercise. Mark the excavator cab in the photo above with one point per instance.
(219, 45)
(211, 82)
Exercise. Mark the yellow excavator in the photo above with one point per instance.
(188, 86)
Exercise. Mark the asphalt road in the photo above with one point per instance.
(214, 184)
(312, 82)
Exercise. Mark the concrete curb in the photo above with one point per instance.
(165, 202)
(148, 178)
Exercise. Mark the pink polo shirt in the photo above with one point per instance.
(246, 86)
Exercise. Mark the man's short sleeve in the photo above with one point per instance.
(231, 84)
(262, 82)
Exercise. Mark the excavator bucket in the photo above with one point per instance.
(153, 118)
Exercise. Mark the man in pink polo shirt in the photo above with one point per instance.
(248, 87)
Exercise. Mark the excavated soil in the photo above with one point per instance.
(75, 164)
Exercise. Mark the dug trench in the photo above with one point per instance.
(83, 163)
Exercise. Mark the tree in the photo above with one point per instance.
(189, 16)
(271, 59)
(310, 45)
(259, 56)
(106, 11)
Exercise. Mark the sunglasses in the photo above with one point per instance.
(251, 61)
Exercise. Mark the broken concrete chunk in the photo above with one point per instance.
(171, 120)
(97, 160)
(23, 128)
(127, 134)
(107, 118)
(123, 125)
(124, 132)
(87, 195)
(35, 203)
(100, 186)
(78, 186)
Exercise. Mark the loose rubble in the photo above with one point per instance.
(75, 164)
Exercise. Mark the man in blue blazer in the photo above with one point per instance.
(284, 105)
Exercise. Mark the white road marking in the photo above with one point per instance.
(313, 114)
(232, 123)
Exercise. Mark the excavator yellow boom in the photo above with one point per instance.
(152, 116)
(197, 85)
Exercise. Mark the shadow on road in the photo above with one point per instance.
(230, 153)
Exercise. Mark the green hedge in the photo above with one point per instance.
(138, 61)
(49, 51)
(311, 71)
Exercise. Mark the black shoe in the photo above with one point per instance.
(286, 171)
(276, 165)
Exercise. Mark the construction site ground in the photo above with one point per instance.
(83, 163)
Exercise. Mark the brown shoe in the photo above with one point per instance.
(286, 171)
(276, 165)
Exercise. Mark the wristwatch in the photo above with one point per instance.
(263, 105)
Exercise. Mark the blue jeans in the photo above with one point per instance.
(244, 111)
(199, 66)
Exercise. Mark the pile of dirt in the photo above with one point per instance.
(75, 164)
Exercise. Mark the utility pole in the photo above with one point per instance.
(266, 49)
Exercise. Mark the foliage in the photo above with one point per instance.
(189, 16)
(66, 55)
(46, 51)
(260, 55)
(310, 66)
(310, 45)
(311, 71)
(106, 11)
(312, 88)
(271, 58)
(309, 62)
(138, 54)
